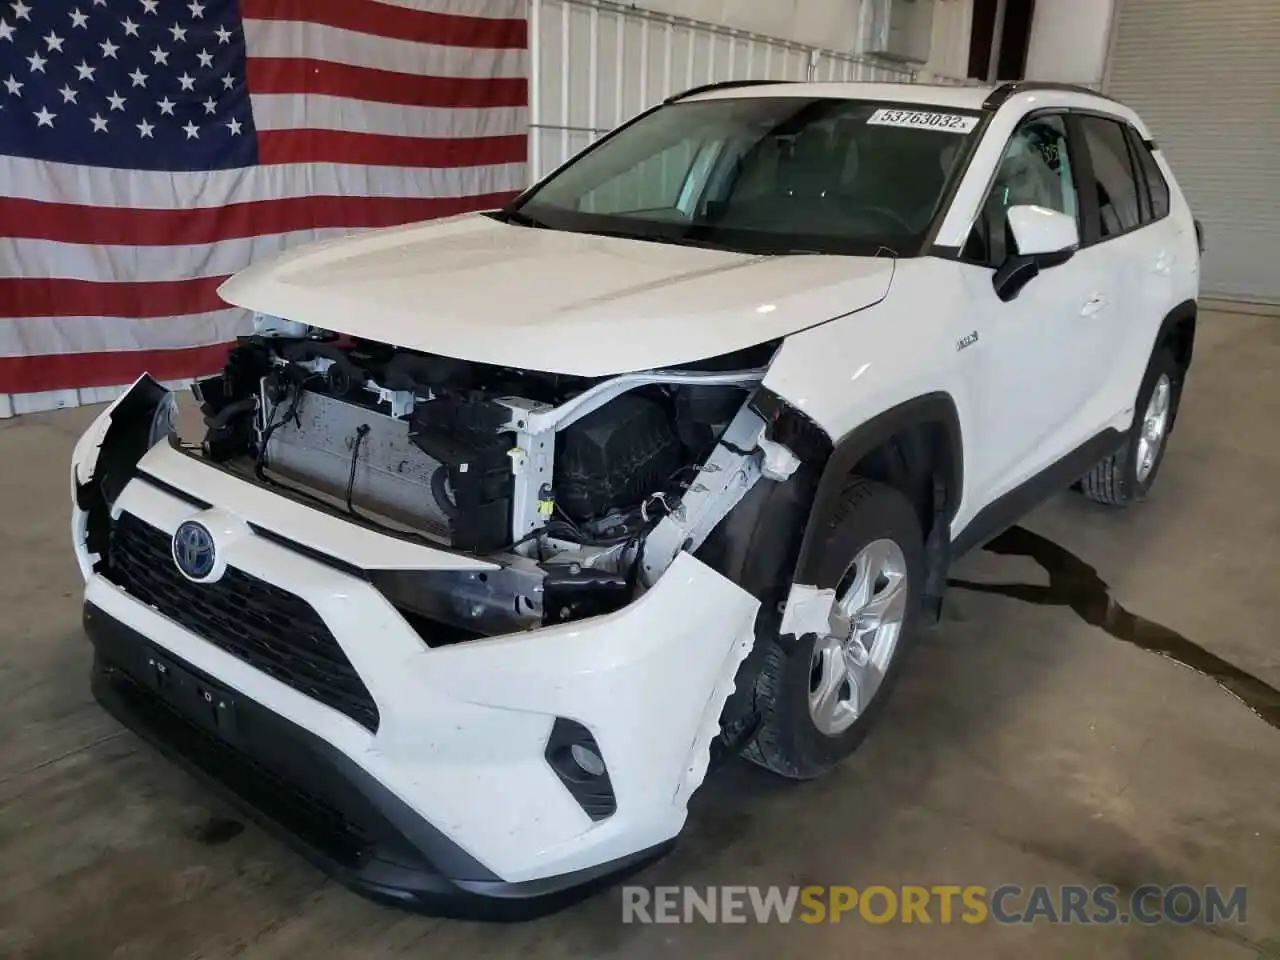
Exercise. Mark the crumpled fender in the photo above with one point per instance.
(104, 458)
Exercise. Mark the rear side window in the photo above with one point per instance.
(1157, 186)
(1117, 187)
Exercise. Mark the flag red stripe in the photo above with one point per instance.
(42, 297)
(122, 226)
(400, 23)
(71, 370)
(339, 146)
(303, 75)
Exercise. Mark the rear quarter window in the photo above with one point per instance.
(1114, 176)
(1157, 186)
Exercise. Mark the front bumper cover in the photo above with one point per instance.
(311, 795)
(464, 729)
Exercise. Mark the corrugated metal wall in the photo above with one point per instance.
(1205, 74)
(597, 64)
(823, 23)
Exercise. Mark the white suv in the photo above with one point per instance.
(505, 527)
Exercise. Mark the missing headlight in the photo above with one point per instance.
(465, 603)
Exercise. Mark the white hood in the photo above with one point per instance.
(476, 289)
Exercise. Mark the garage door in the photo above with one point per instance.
(1205, 74)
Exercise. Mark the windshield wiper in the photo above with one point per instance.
(694, 237)
(746, 250)
(691, 242)
(521, 219)
(677, 241)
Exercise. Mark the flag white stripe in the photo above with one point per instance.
(314, 111)
(486, 9)
(315, 41)
(41, 336)
(110, 187)
(104, 263)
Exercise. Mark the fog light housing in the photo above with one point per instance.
(587, 760)
(574, 755)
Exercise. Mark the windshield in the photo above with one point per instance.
(763, 175)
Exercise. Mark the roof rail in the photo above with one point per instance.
(721, 85)
(1001, 94)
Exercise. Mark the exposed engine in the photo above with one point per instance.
(585, 489)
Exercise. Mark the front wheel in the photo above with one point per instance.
(1127, 474)
(818, 695)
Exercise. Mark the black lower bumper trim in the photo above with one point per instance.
(311, 795)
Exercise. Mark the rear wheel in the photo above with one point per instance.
(818, 695)
(1127, 474)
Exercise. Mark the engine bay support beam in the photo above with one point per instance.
(729, 472)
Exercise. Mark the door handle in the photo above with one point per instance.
(1093, 306)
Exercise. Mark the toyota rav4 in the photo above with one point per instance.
(501, 529)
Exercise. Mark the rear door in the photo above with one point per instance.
(1121, 231)
(1162, 278)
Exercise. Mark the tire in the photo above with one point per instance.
(788, 740)
(1126, 475)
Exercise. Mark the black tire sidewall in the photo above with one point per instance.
(885, 514)
(1162, 362)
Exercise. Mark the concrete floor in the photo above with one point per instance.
(1023, 746)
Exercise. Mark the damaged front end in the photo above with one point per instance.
(581, 490)
(519, 601)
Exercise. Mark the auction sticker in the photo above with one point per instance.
(923, 120)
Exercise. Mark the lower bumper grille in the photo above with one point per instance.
(317, 823)
(268, 628)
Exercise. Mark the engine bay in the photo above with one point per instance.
(581, 491)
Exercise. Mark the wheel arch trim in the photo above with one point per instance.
(936, 408)
(1188, 310)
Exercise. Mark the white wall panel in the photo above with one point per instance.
(949, 55)
(825, 23)
(833, 24)
(1069, 41)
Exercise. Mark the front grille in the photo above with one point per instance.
(266, 627)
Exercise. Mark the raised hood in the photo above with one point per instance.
(476, 289)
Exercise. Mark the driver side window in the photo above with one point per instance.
(1035, 169)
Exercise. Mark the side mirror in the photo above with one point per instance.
(1044, 238)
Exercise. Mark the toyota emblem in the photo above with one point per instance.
(193, 550)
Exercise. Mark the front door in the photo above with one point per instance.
(1026, 373)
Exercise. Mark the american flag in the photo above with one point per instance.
(151, 148)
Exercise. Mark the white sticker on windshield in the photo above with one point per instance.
(924, 120)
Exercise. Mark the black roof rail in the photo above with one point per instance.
(722, 85)
(1001, 94)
